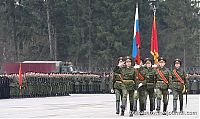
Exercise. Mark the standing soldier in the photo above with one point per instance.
(179, 85)
(117, 81)
(150, 82)
(163, 78)
(128, 75)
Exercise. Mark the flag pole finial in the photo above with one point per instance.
(154, 10)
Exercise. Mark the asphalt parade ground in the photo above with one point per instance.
(83, 106)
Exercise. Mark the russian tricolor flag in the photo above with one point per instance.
(136, 38)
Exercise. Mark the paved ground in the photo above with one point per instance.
(78, 106)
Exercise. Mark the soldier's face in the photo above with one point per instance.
(177, 65)
(128, 63)
(161, 63)
(121, 63)
(148, 64)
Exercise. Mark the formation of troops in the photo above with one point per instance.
(155, 81)
(45, 85)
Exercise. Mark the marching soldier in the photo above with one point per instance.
(163, 78)
(179, 84)
(117, 81)
(140, 86)
(150, 82)
(128, 75)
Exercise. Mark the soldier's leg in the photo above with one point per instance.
(145, 101)
(124, 98)
(181, 101)
(152, 99)
(135, 98)
(175, 98)
(158, 96)
(131, 98)
(165, 100)
(117, 94)
(142, 99)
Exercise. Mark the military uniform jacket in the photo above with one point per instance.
(176, 83)
(140, 76)
(129, 78)
(150, 77)
(116, 77)
(160, 82)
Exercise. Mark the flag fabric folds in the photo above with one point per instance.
(136, 38)
(154, 41)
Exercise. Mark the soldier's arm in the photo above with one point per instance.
(170, 79)
(113, 80)
(155, 76)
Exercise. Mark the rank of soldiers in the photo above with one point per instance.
(44, 85)
(142, 80)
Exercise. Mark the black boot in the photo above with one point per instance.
(151, 107)
(164, 109)
(158, 105)
(131, 110)
(145, 103)
(117, 107)
(174, 106)
(122, 110)
(181, 106)
(123, 107)
(142, 105)
(135, 105)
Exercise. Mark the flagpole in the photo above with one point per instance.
(154, 14)
(20, 79)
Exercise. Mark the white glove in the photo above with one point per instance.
(155, 90)
(135, 92)
(112, 91)
(140, 84)
(169, 90)
(121, 64)
(137, 66)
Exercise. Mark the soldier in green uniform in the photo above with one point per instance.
(128, 85)
(163, 80)
(117, 81)
(139, 93)
(150, 83)
(179, 84)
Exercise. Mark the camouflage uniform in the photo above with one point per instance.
(179, 85)
(150, 84)
(141, 87)
(162, 86)
(117, 86)
(128, 86)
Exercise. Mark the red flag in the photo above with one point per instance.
(154, 41)
(20, 76)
